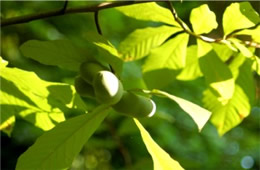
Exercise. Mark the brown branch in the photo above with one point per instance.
(58, 12)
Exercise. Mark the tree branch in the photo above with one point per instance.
(186, 28)
(204, 38)
(65, 10)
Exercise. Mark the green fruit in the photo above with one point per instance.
(89, 69)
(83, 88)
(135, 105)
(108, 89)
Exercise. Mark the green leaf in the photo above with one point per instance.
(171, 55)
(241, 47)
(56, 53)
(163, 62)
(132, 76)
(203, 20)
(197, 113)
(239, 16)
(7, 119)
(139, 43)
(223, 52)
(227, 115)
(3, 63)
(107, 53)
(39, 102)
(256, 65)
(192, 70)
(217, 74)
(235, 63)
(57, 148)
(149, 12)
(254, 33)
(161, 159)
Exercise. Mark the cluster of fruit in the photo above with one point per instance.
(97, 81)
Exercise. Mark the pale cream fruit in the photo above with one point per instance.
(108, 89)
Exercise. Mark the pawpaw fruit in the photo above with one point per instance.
(108, 89)
(83, 88)
(135, 105)
(89, 69)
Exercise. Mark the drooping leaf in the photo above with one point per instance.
(60, 53)
(203, 20)
(239, 16)
(227, 115)
(197, 113)
(217, 74)
(139, 43)
(148, 12)
(161, 159)
(192, 70)
(57, 148)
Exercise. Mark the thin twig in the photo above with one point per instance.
(97, 23)
(58, 12)
(186, 28)
(64, 7)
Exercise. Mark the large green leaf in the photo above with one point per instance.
(192, 70)
(197, 113)
(203, 20)
(171, 55)
(228, 115)
(149, 12)
(139, 43)
(161, 159)
(162, 61)
(39, 102)
(57, 148)
(217, 74)
(239, 16)
(60, 53)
